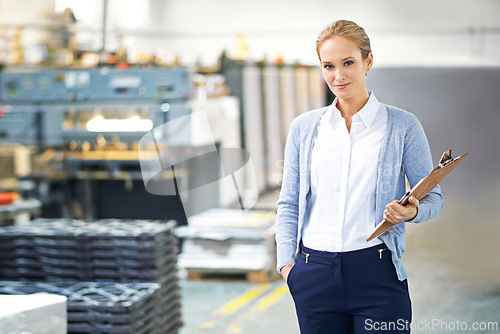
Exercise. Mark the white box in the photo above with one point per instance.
(39, 313)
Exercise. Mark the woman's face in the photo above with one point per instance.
(343, 67)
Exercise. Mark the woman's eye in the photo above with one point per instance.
(328, 66)
(349, 63)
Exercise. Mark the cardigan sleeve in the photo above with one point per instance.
(288, 202)
(417, 164)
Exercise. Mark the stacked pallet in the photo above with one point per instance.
(100, 307)
(103, 251)
(228, 241)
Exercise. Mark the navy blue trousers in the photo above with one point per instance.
(349, 292)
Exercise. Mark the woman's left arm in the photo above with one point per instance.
(417, 164)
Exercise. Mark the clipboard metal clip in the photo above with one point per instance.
(446, 158)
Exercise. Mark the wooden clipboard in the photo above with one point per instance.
(423, 187)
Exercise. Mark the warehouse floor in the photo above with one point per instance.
(237, 307)
(454, 282)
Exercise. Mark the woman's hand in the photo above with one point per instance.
(285, 270)
(396, 213)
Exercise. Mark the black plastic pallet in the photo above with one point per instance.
(103, 227)
(84, 254)
(8, 241)
(118, 318)
(115, 255)
(56, 274)
(109, 308)
(87, 318)
(169, 322)
(77, 233)
(110, 328)
(88, 264)
(109, 297)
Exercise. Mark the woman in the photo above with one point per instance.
(345, 168)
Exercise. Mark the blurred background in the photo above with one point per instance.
(198, 96)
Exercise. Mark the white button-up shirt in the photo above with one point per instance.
(341, 203)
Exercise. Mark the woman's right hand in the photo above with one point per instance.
(285, 270)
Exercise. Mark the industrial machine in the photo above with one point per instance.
(54, 107)
(84, 126)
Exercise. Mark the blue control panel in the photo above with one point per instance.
(74, 85)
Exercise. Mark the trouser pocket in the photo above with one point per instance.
(289, 278)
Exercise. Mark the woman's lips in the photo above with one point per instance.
(342, 86)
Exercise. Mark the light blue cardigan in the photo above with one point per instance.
(405, 151)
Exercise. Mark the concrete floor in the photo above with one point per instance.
(237, 307)
(454, 271)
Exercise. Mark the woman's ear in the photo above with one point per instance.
(370, 61)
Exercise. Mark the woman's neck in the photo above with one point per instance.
(350, 106)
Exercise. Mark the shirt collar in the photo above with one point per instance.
(367, 114)
(369, 110)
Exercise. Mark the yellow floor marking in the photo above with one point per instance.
(207, 324)
(240, 301)
(234, 328)
(252, 314)
(270, 299)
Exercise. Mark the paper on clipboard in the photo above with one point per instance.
(423, 187)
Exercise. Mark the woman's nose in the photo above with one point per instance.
(339, 76)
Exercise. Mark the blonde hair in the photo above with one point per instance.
(347, 29)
